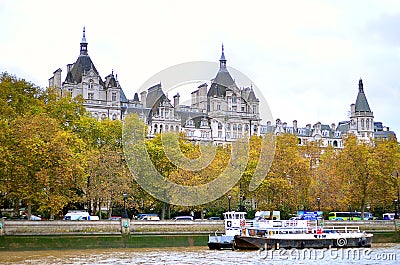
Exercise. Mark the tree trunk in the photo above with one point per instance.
(29, 212)
(163, 210)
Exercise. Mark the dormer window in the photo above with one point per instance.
(91, 85)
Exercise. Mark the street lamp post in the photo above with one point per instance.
(318, 200)
(125, 213)
(229, 203)
(396, 209)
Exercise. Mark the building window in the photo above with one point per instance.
(91, 84)
(114, 96)
(219, 125)
(367, 123)
(90, 95)
(362, 124)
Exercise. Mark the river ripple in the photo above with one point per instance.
(378, 254)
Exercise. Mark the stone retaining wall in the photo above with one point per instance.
(107, 227)
(369, 226)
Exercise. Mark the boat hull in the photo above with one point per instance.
(256, 242)
(220, 245)
(220, 242)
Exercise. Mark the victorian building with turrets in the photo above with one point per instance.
(220, 111)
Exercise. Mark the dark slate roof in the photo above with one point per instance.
(122, 96)
(195, 116)
(141, 111)
(136, 97)
(111, 81)
(155, 96)
(343, 126)
(361, 102)
(248, 95)
(325, 127)
(222, 80)
(384, 135)
(82, 64)
(220, 83)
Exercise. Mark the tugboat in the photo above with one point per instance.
(274, 234)
(234, 224)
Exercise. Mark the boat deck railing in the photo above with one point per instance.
(342, 229)
(293, 227)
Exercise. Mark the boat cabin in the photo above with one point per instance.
(234, 222)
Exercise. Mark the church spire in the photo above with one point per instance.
(222, 60)
(361, 101)
(360, 86)
(84, 44)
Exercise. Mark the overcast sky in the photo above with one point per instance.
(306, 57)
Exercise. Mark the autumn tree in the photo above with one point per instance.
(46, 164)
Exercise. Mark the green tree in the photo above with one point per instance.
(45, 164)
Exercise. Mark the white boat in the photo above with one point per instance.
(234, 223)
(274, 234)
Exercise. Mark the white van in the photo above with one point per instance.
(79, 215)
(388, 216)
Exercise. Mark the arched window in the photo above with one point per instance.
(362, 123)
(219, 125)
(335, 144)
(91, 85)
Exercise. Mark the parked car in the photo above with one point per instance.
(76, 215)
(148, 217)
(115, 218)
(214, 218)
(183, 218)
(35, 218)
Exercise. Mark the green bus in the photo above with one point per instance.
(344, 216)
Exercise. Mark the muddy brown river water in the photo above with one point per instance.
(378, 254)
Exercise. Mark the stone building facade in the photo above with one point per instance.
(220, 112)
